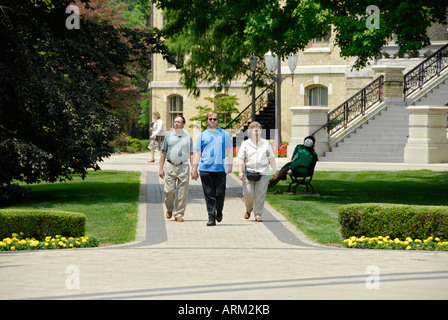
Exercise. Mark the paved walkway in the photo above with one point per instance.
(237, 259)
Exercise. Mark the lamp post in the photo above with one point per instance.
(273, 63)
(253, 66)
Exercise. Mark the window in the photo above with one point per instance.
(179, 60)
(176, 108)
(318, 96)
(324, 40)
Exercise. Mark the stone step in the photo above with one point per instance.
(364, 157)
(378, 137)
(436, 97)
(351, 159)
(398, 125)
(380, 130)
(360, 145)
(373, 149)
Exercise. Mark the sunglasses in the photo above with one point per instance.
(212, 119)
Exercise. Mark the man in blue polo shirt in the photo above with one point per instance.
(211, 148)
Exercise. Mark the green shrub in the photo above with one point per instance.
(120, 143)
(39, 223)
(394, 220)
(133, 145)
(124, 143)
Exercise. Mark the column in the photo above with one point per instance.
(393, 78)
(427, 142)
(304, 121)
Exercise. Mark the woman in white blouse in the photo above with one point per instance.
(255, 156)
(157, 135)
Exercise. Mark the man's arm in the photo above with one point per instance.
(230, 157)
(195, 164)
(161, 164)
(191, 163)
(191, 158)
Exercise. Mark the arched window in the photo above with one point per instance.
(318, 96)
(175, 108)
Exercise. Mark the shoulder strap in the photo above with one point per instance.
(223, 143)
(201, 136)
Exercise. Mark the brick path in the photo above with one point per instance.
(237, 259)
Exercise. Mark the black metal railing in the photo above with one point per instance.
(245, 116)
(356, 106)
(426, 70)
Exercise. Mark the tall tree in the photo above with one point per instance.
(220, 36)
(132, 99)
(56, 83)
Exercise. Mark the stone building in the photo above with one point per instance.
(321, 82)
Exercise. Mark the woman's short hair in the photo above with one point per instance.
(254, 124)
(157, 114)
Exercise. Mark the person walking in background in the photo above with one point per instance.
(211, 148)
(254, 157)
(157, 135)
(177, 149)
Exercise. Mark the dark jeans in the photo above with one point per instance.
(214, 187)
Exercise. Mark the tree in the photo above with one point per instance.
(130, 106)
(219, 37)
(224, 106)
(56, 85)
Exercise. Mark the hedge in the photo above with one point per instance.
(394, 220)
(39, 223)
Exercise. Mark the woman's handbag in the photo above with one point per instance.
(252, 175)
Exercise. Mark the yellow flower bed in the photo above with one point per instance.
(20, 242)
(386, 242)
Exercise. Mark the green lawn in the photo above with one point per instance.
(317, 217)
(108, 198)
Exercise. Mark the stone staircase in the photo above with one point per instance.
(438, 96)
(384, 136)
(266, 118)
(265, 115)
(381, 139)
